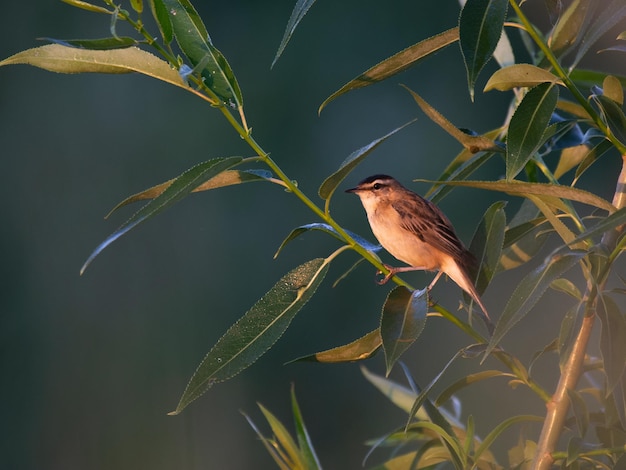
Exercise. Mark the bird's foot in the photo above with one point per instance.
(389, 275)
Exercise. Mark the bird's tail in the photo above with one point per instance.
(461, 276)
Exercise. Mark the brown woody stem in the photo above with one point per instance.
(558, 406)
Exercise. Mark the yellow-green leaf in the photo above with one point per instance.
(520, 75)
(397, 63)
(64, 59)
(612, 88)
(472, 143)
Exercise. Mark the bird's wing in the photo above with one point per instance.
(424, 219)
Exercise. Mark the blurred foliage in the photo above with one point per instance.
(562, 120)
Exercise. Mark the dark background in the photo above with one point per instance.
(92, 364)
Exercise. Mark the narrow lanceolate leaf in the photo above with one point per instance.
(613, 116)
(193, 39)
(362, 348)
(296, 232)
(103, 44)
(528, 292)
(473, 143)
(330, 184)
(397, 63)
(226, 178)
(87, 6)
(527, 127)
(487, 244)
(520, 75)
(480, 26)
(299, 10)
(402, 321)
(159, 12)
(64, 59)
(521, 188)
(611, 222)
(254, 333)
(467, 381)
(612, 342)
(180, 188)
(608, 16)
(304, 440)
(284, 444)
(569, 29)
(466, 162)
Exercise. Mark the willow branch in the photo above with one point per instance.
(558, 406)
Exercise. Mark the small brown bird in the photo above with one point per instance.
(414, 230)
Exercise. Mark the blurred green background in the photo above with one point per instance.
(92, 364)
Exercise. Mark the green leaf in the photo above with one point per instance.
(254, 333)
(570, 158)
(500, 428)
(548, 207)
(423, 395)
(521, 188)
(473, 143)
(362, 348)
(270, 445)
(87, 6)
(592, 156)
(487, 244)
(567, 287)
(585, 78)
(460, 384)
(612, 344)
(444, 430)
(528, 292)
(193, 39)
(520, 75)
(296, 232)
(581, 413)
(465, 163)
(307, 452)
(137, 5)
(285, 445)
(103, 44)
(397, 63)
(480, 27)
(226, 178)
(403, 320)
(567, 333)
(179, 189)
(614, 220)
(403, 397)
(440, 190)
(568, 30)
(608, 16)
(159, 12)
(64, 59)
(397, 394)
(528, 125)
(330, 184)
(613, 116)
(299, 10)
(574, 448)
(612, 88)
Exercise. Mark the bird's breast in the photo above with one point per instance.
(402, 243)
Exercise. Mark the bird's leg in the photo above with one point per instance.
(385, 280)
(432, 284)
(403, 269)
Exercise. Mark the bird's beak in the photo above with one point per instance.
(352, 190)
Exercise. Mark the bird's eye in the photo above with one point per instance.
(377, 186)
